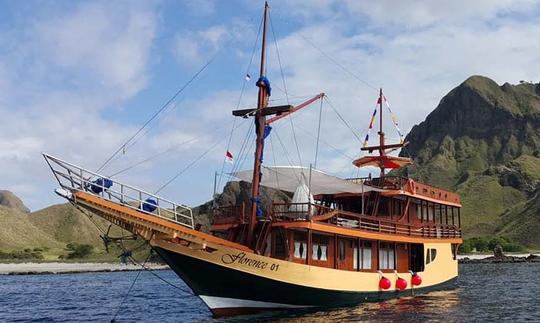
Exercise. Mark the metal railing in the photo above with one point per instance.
(73, 178)
(283, 211)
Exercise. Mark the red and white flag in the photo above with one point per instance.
(229, 157)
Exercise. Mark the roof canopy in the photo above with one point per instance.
(288, 178)
(382, 161)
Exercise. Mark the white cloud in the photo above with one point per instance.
(108, 42)
(194, 47)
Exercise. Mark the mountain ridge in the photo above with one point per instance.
(483, 140)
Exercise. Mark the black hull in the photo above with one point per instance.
(207, 279)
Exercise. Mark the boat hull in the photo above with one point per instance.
(228, 291)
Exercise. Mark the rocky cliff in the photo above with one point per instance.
(483, 140)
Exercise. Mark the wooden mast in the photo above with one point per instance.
(260, 121)
(382, 151)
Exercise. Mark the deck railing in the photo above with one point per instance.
(73, 179)
(405, 184)
(283, 211)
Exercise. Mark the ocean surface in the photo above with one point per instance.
(486, 293)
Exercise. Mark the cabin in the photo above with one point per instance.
(358, 224)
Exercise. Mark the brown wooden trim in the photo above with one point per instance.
(329, 228)
(154, 219)
(419, 196)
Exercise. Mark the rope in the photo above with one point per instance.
(394, 120)
(318, 136)
(194, 139)
(188, 166)
(163, 107)
(342, 119)
(129, 290)
(161, 278)
(338, 64)
(285, 89)
(240, 97)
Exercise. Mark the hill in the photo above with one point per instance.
(483, 140)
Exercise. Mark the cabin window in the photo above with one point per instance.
(300, 249)
(431, 255)
(319, 252)
(430, 212)
(280, 250)
(342, 254)
(362, 256)
(419, 210)
(386, 256)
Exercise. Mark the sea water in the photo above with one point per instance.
(485, 293)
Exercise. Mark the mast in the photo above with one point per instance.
(260, 120)
(382, 151)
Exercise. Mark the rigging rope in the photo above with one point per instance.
(129, 290)
(318, 136)
(189, 166)
(394, 120)
(246, 79)
(371, 122)
(337, 63)
(341, 118)
(285, 90)
(163, 107)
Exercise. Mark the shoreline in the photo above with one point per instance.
(46, 268)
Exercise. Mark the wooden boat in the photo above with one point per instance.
(348, 241)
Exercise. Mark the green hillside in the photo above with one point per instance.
(483, 140)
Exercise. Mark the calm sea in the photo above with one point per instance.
(486, 293)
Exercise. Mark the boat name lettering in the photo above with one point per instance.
(250, 262)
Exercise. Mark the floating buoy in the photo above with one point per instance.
(401, 284)
(416, 280)
(384, 283)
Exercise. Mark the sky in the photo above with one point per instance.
(78, 78)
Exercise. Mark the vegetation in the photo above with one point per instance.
(77, 250)
(26, 254)
(487, 244)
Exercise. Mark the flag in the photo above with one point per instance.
(229, 157)
(248, 77)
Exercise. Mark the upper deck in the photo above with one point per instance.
(400, 185)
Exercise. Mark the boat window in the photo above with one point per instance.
(431, 254)
(279, 247)
(419, 210)
(342, 254)
(386, 256)
(319, 252)
(300, 249)
(355, 258)
(366, 255)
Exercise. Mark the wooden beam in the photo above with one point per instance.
(296, 108)
(372, 148)
(277, 110)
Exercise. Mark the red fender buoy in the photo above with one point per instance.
(401, 284)
(384, 283)
(416, 280)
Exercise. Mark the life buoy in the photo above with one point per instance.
(412, 186)
(416, 279)
(384, 283)
(401, 283)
